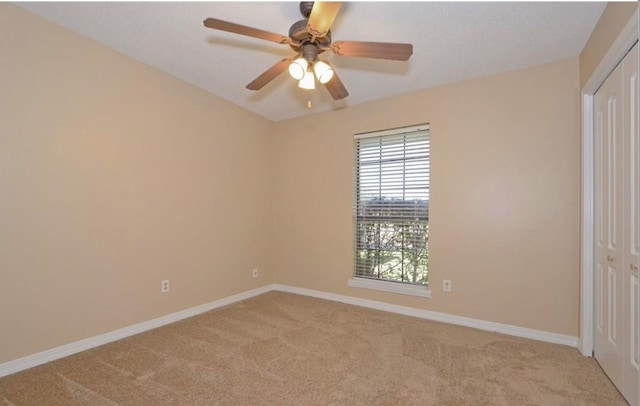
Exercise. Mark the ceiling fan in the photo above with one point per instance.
(309, 38)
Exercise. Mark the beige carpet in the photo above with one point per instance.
(284, 349)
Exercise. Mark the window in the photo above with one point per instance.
(391, 205)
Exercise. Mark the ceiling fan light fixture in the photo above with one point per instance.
(307, 82)
(323, 71)
(310, 37)
(298, 68)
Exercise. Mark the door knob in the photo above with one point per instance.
(609, 258)
(633, 267)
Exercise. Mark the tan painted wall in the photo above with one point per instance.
(505, 208)
(114, 176)
(611, 23)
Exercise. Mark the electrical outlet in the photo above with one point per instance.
(446, 285)
(164, 286)
(255, 272)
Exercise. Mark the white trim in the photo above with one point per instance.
(91, 342)
(623, 43)
(442, 317)
(585, 343)
(393, 287)
(53, 354)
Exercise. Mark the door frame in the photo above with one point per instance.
(623, 43)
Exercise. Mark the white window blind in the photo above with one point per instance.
(391, 204)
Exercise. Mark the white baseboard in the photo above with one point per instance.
(43, 357)
(436, 316)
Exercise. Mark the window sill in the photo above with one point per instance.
(393, 287)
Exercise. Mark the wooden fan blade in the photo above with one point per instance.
(244, 30)
(336, 87)
(322, 15)
(269, 74)
(379, 50)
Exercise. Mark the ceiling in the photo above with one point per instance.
(452, 42)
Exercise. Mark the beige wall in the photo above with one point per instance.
(114, 176)
(505, 198)
(611, 23)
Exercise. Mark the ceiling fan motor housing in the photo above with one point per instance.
(301, 36)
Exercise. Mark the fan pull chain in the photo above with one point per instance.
(309, 102)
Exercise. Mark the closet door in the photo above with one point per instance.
(609, 337)
(631, 212)
(617, 233)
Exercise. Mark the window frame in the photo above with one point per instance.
(382, 284)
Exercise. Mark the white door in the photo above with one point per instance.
(609, 338)
(616, 284)
(631, 212)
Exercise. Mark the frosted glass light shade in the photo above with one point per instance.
(323, 71)
(307, 82)
(298, 68)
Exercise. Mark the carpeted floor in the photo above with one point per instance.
(284, 349)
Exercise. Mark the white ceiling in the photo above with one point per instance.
(452, 42)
